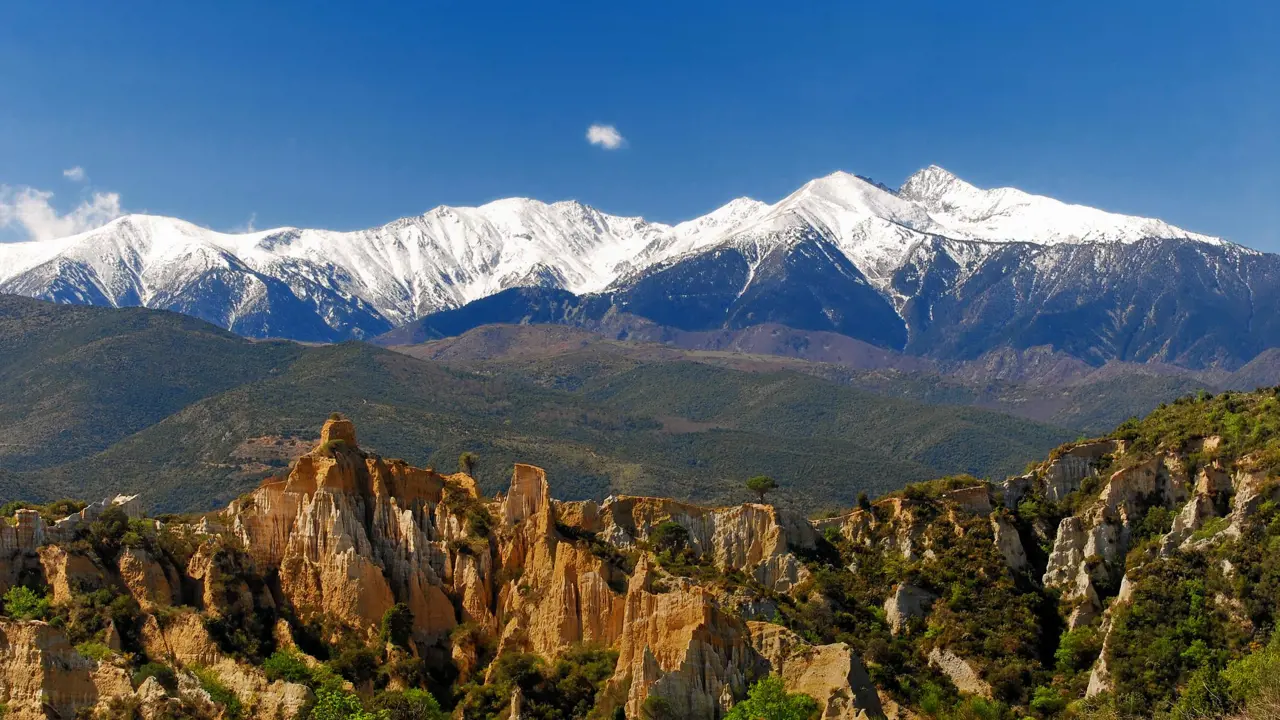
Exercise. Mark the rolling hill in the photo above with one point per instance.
(219, 413)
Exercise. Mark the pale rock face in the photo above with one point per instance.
(312, 526)
(1252, 488)
(38, 668)
(682, 648)
(1008, 542)
(856, 526)
(1102, 530)
(906, 603)
(960, 671)
(67, 572)
(976, 500)
(750, 537)
(149, 582)
(831, 674)
(183, 640)
(1064, 474)
(568, 596)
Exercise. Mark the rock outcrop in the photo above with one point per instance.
(905, 603)
(831, 674)
(754, 538)
(41, 672)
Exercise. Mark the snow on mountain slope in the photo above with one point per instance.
(1008, 214)
(352, 284)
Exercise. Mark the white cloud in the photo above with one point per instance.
(75, 174)
(249, 225)
(29, 211)
(606, 136)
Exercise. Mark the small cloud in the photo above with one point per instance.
(30, 212)
(249, 225)
(75, 174)
(606, 136)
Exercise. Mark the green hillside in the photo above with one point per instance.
(190, 416)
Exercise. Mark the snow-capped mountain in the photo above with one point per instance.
(839, 253)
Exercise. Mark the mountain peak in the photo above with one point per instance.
(930, 183)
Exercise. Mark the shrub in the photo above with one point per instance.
(407, 705)
(479, 521)
(669, 536)
(397, 625)
(467, 462)
(22, 603)
(359, 665)
(329, 447)
(94, 650)
(769, 700)
(162, 673)
(220, 693)
(336, 704)
(287, 666)
(106, 533)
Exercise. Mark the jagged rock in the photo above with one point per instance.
(976, 500)
(278, 699)
(1190, 519)
(568, 595)
(1008, 542)
(960, 671)
(68, 573)
(342, 521)
(1065, 473)
(1014, 489)
(905, 603)
(583, 514)
(1102, 531)
(681, 647)
(856, 526)
(149, 582)
(1252, 488)
(831, 674)
(183, 640)
(752, 538)
(343, 431)
(39, 669)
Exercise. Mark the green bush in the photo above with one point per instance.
(407, 705)
(287, 666)
(769, 700)
(467, 462)
(565, 690)
(162, 673)
(359, 665)
(337, 704)
(94, 650)
(397, 625)
(22, 603)
(669, 536)
(220, 693)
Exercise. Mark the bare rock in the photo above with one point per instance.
(960, 671)
(905, 603)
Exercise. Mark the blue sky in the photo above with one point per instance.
(346, 115)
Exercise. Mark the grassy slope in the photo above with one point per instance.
(103, 401)
(558, 356)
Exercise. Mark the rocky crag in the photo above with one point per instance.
(357, 579)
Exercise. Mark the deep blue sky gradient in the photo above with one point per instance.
(346, 115)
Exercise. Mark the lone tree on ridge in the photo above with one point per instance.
(760, 485)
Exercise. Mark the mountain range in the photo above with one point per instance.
(936, 268)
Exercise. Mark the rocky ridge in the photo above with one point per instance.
(945, 594)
